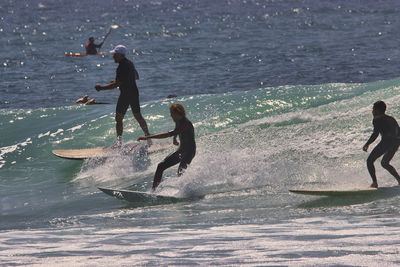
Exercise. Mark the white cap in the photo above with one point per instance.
(119, 49)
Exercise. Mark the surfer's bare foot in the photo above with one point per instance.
(374, 185)
(117, 145)
(113, 147)
(149, 142)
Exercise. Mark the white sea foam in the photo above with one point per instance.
(11, 149)
(304, 241)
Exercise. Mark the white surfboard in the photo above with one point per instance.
(105, 152)
(139, 196)
(352, 192)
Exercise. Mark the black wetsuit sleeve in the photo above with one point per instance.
(136, 74)
(374, 134)
(173, 133)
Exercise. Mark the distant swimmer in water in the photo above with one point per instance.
(389, 129)
(91, 47)
(187, 147)
(85, 100)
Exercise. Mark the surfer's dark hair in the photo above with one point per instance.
(177, 109)
(380, 105)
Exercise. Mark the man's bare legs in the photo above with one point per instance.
(139, 118)
(378, 151)
(120, 126)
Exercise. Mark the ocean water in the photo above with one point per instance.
(280, 94)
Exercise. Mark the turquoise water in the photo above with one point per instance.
(262, 128)
(252, 148)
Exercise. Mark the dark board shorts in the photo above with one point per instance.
(126, 100)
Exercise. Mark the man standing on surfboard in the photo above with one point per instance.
(187, 148)
(91, 46)
(126, 81)
(389, 129)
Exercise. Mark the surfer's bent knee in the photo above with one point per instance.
(385, 164)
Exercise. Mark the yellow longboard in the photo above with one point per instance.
(338, 193)
(106, 152)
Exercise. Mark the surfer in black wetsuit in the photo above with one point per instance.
(126, 81)
(389, 129)
(91, 47)
(187, 147)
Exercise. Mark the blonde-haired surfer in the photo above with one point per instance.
(187, 147)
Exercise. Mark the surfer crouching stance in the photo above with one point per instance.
(388, 127)
(187, 147)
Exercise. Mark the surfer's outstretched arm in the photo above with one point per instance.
(154, 136)
(372, 138)
(113, 84)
